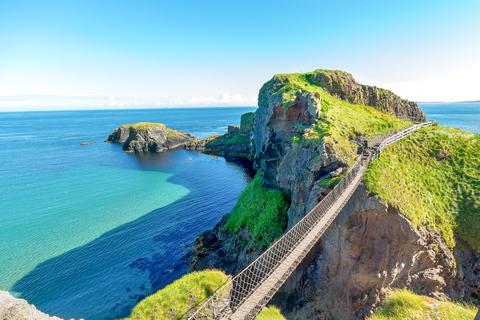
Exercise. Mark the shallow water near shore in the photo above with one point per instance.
(86, 231)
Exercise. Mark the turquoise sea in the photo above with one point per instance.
(87, 231)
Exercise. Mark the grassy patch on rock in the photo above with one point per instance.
(433, 178)
(340, 121)
(403, 304)
(271, 313)
(178, 297)
(143, 125)
(263, 211)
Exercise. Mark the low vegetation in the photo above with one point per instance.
(271, 313)
(143, 125)
(263, 211)
(238, 139)
(340, 121)
(403, 304)
(178, 297)
(433, 177)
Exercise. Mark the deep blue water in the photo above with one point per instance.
(86, 231)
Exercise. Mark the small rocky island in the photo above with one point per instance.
(149, 137)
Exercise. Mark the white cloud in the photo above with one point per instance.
(111, 102)
(223, 99)
(460, 85)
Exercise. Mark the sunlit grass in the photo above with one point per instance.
(271, 313)
(178, 297)
(261, 210)
(403, 304)
(433, 177)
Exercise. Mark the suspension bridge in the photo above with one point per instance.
(245, 295)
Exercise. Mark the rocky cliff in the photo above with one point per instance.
(236, 142)
(147, 136)
(307, 131)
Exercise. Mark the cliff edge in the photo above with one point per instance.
(308, 130)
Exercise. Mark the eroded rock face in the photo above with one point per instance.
(343, 86)
(368, 249)
(153, 137)
(15, 309)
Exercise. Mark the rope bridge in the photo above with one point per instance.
(244, 296)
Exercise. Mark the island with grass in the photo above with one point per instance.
(406, 243)
(149, 137)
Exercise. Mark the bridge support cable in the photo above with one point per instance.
(244, 296)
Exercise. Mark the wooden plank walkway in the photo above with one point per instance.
(291, 262)
(269, 271)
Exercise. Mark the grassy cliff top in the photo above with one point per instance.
(340, 121)
(178, 297)
(433, 178)
(142, 125)
(403, 304)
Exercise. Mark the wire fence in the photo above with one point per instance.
(226, 301)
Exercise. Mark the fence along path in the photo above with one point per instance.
(244, 296)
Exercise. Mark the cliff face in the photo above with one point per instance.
(371, 247)
(149, 137)
(343, 86)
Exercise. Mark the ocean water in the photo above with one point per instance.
(87, 231)
(465, 116)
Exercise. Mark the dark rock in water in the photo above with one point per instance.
(84, 143)
(149, 137)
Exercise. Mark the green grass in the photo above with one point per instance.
(246, 122)
(332, 182)
(143, 125)
(261, 210)
(433, 178)
(403, 304)
(178, 297)
(340, 121)
(238, 139)
(271, 313)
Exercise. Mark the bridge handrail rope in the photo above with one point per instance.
(226, 300)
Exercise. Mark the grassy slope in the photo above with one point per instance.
(178, 297)
(261, 210)
(340, 121)
(271, 313)
(433, 177)
(142, 125)
(403, 304)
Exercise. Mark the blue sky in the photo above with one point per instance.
(118, 54)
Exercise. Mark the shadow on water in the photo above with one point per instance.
(105, 278)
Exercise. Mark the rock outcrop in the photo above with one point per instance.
(371, 247)
(236, 142)
(149, 137)
(15, 309)
(343, 86)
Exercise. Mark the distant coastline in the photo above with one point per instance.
(432, 102)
